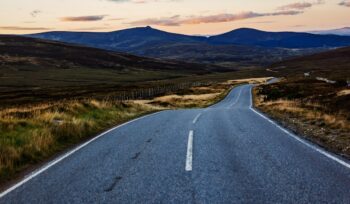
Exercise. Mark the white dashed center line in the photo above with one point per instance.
(189, 152)
(196, 118)
(239, 94)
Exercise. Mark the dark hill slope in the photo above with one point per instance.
(40, 70)
(16, 50)
(334, 64)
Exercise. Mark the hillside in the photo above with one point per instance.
(315, 105)
(22, 51)
(33, 69)
(334, 64)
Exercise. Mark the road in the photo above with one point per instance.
(227, 153)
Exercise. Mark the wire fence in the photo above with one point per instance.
(151, 92)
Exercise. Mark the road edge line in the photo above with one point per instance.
(37, 172)
(308, 144)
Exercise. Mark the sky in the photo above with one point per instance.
(196, 17)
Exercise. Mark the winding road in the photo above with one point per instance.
(227, 153)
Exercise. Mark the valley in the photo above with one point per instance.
(58, 90)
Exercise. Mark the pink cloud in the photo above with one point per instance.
(83, 18)
(22, 28)
(300, 5)
(219, 18)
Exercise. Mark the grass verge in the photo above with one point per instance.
(32, 134)
(316, 110)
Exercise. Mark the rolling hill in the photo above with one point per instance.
(123, 40)
(246, 36)
(334, 64)
(34, 69)
(16, 50)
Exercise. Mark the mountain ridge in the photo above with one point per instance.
(126, 39)
(259, 47)
(333, 64)
(286, 39)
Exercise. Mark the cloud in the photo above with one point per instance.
(345, 3)
(22, 28)
(300, 5)
(219, 18)
(168, 21)
(83, 18)
(35, 13)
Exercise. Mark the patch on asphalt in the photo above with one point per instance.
(115, 181)
(136, 155)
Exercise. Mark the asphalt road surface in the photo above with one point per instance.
(228, 153)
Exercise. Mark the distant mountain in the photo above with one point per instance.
(238, 48)
(247, 36)
(136, 38)
(124, 40)
(341, 31)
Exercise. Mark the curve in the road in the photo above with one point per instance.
(227, 153)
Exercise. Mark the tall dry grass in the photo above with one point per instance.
(260, 80)
(186, 101)
(308, 111)
(196, 97)
(31, 134)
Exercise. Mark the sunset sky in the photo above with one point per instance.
(181, 16)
